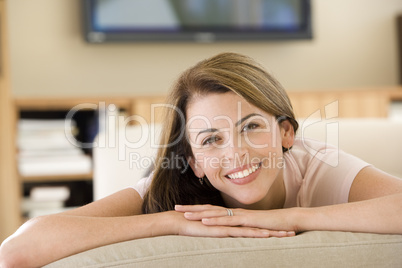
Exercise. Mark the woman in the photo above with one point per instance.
(249, 176)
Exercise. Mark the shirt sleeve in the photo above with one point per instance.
(143, 184)
(329, 177)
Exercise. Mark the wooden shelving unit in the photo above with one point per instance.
(9, 187)
(130, 105)
(57, 108)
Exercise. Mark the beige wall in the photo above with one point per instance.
(354, 45)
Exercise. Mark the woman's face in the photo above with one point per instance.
(236, 145)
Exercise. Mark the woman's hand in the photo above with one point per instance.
(246, 223)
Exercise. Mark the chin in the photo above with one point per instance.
(248, 200)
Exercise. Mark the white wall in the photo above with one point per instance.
(354, 45)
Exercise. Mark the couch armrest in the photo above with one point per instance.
(310, 249)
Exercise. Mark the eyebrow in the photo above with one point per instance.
(238, 123)
(246, 117)
(206, 130)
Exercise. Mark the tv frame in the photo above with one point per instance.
(92, 36)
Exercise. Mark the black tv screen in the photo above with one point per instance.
(196, 20)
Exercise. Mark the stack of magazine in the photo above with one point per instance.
(48, 148)
(44, 200)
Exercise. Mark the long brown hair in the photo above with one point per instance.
(173, 180)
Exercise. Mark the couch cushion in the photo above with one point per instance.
(310, 249)
(375, 140)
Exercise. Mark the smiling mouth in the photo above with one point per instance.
(244, 173)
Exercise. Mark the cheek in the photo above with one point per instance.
(210, 163)
(263, 140)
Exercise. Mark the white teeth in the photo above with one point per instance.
(244, 173)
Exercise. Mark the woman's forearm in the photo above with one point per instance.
(378, 215)
(49, 238)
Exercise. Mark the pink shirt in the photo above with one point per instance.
(315, 174)
(318, 174)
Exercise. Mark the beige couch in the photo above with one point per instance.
(311, 249)
(376, 141)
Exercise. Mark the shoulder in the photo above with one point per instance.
(371, 183)
(306, 152)
(320, 173)
(143, 184)
(309, 154)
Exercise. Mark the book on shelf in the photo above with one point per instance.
(48, 152)
(35, 134)
(45, 200)
(49, 193)
(54, 165)
(45, 150)
(45, 140)
(45, 124)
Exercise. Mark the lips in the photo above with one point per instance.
(244, 172)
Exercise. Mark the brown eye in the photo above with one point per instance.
(210, 140)
(250, 126)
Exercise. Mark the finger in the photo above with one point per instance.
(242, 221)
(239, 232)
(282, 233)
(194, 208)
(225, 221)
(221, 212)
(250, 232)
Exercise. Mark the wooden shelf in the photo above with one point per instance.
(396, 95)
(46, 103)
(357, 103)
(57, 178)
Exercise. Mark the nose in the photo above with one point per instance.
(235, 149)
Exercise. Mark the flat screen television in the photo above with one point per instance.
(196, 20)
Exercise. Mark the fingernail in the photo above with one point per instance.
(267, 233)
(188, 213)
(291, 233)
